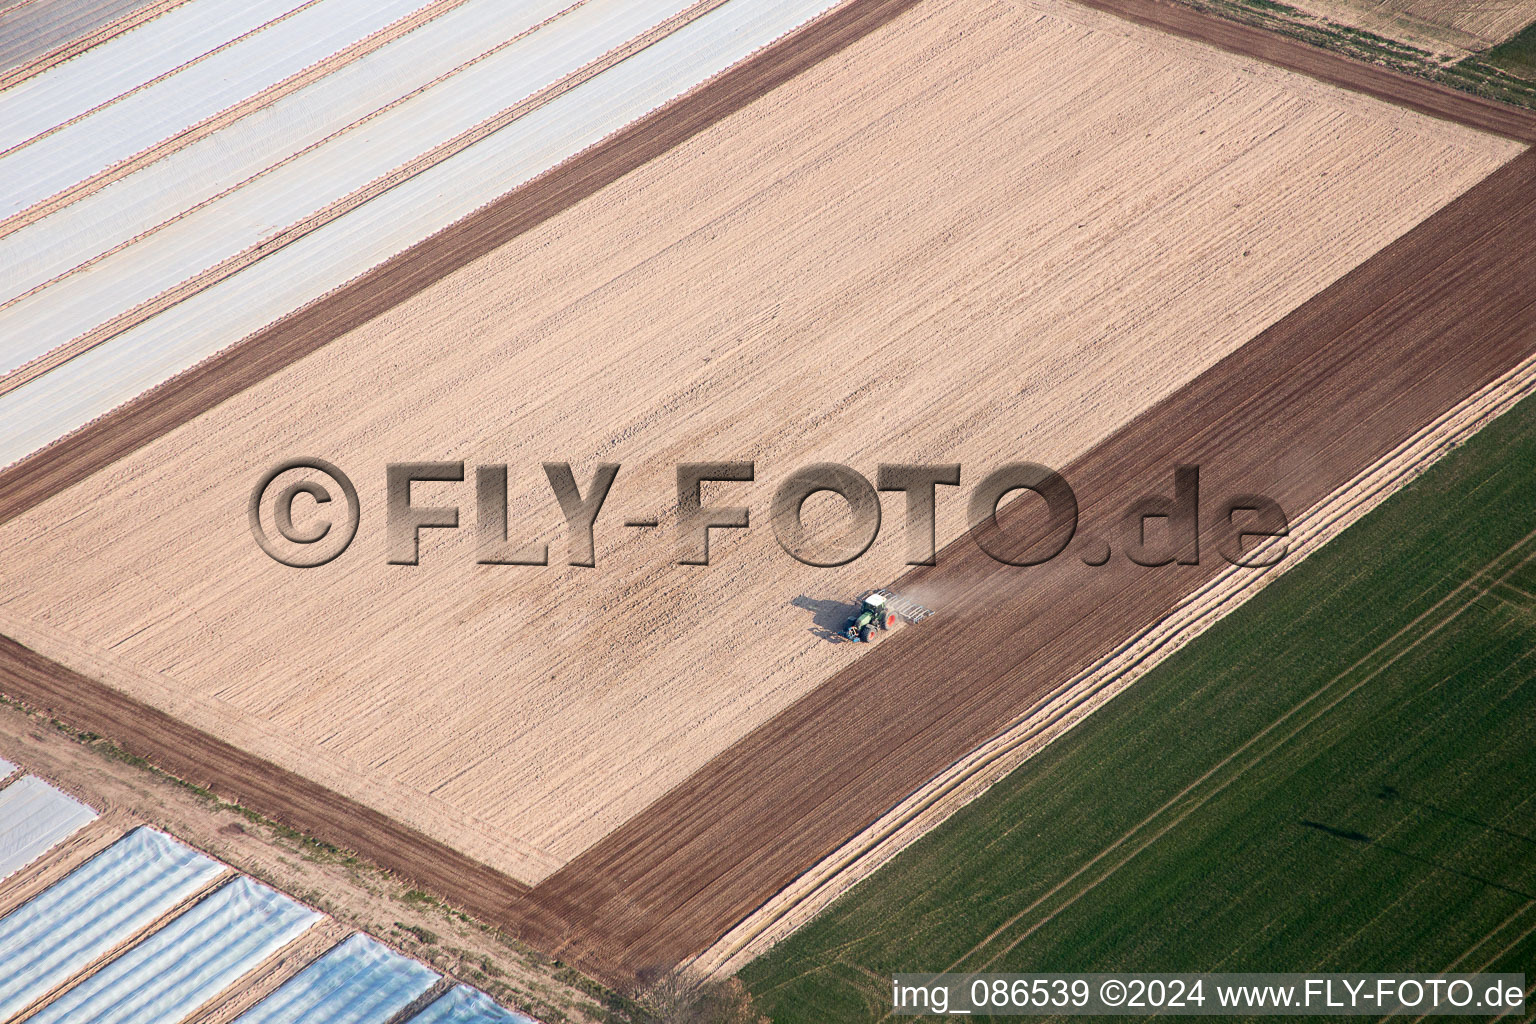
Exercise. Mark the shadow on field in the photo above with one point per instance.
(827, 617)
(1360, 837)
(1339, 833)
(1391, 793)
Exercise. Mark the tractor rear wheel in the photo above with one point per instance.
(890, 620)
(867, 634)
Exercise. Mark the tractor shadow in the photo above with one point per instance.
(827, 617)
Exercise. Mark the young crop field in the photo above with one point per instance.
(1335, 777)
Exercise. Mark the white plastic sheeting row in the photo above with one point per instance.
(188, 962)
(34, 818)
(143, 356)
(193, 174)
(96, 908)
(359, 981)
(259, 209)
(101, 74)
(6, 768)
(157, 111)
(34, 28)
(464, 1005)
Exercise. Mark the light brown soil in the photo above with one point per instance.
(927, 807)
(981, 233)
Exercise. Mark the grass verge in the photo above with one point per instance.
(1337, 776)
(1505, 78)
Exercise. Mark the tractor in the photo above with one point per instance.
(874, 614)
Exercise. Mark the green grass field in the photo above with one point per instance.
(1517, 54)
(1339, 776)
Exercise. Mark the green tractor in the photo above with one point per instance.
(874, 614)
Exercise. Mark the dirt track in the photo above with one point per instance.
(1451, 27)
(1292, 415)
(206, 761)
(727, 845)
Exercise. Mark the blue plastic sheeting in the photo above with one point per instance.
(188, 962)
(96, 908)
(359, 981)
(465, 1005)
(34, 818)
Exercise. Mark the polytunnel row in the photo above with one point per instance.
(149, 929)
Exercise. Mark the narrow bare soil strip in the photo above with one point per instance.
(64, 858)
(346, 204)
(265, 979)
(203, 760)
(1451, 27)
(356, 896)
(1294, 414)
(223, 118)
(1041, 252)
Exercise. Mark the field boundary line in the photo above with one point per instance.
(258, 355)
(96, 835)
(1054, 716)
(209, 388)
(1244, 764)
(127, 943)
(1159, 14)
(132, 90)
(185, 752)
(6, 377)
